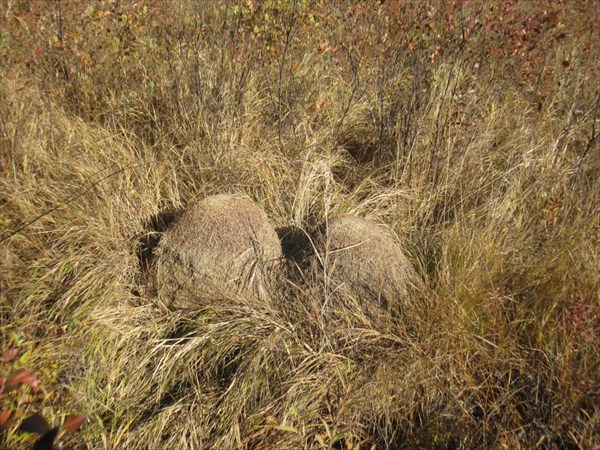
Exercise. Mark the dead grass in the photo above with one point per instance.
(486, 166)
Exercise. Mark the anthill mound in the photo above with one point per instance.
(222, 242)
(365, 258)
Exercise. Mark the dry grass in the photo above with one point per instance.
(486, 167)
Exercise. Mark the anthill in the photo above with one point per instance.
(364, 258)
(223, 242)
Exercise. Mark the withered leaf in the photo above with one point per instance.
(22, 376)
(73, 422)
(10, 354)
(6, 418)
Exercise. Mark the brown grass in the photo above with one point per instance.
(474, 139)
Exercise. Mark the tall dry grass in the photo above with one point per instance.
(485, 163)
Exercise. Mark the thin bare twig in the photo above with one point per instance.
(356, 84)
(288, 36)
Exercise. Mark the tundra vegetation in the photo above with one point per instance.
(468, 128)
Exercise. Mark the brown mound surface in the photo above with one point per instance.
(365, 258)
(222, 242)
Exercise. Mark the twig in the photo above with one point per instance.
(347, 108)
(364, 90)
(288, 35)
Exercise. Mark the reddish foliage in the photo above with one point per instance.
(579, 318)
(22, 376)
(6, 418)
(10, 354)
(36, 423)
(73, 422)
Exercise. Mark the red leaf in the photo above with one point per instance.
(6, 418)
(23, 376)
(589, 335)
(39, 52)
(10, 354)
(73, 422)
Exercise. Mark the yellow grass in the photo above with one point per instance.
(486, 169)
